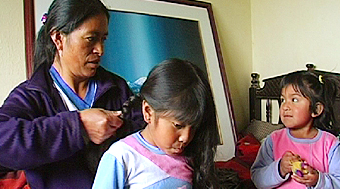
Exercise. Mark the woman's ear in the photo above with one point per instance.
(147, 111)
(319, 107)
(58, 40)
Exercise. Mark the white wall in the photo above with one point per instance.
(233, 20)
(12, 46)
(287, 34)
(272, 38)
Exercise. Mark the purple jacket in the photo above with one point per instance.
(39, 135)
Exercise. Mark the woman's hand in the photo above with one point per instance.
(100, 124)
(309, 179)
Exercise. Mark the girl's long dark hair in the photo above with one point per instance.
(317, 88)
(180, 89)
(63, 16)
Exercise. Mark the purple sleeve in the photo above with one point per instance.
(331, 179)
(265, 170)
(32, 133)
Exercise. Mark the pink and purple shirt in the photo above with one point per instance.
(321, 152)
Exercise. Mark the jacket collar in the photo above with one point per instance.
(41, 80)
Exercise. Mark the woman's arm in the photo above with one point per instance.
(32, 132)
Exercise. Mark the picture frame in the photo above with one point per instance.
(194, 13)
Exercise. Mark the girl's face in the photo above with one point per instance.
(166, 133)
(80, 51)
(295, 110)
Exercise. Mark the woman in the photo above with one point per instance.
(51, 124)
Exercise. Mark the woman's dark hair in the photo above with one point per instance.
(63, 16)
(178, 88)
(317, 89)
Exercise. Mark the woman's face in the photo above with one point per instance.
(82, 49)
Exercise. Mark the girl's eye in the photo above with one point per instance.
(178, 126)
(282, 100)
(295, 100)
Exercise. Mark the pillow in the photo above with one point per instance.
(261, 129)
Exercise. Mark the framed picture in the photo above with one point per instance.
(142, 33)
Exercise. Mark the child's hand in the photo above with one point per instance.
(285, 163)
(309, 179)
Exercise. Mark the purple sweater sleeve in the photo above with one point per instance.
(331, 179)
(265, 170)
(33, 133)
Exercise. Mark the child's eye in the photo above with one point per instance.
(295, 100)
(282, 100)
(178, 126)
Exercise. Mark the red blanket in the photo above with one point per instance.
(13, 180)
(246, 151)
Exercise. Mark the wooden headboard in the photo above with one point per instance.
(270, 92)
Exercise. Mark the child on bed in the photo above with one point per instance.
(176, 149)
(307, 112)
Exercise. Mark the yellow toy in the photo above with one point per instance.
(299, 168)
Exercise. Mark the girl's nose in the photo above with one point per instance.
(185, 135)
(285, 106)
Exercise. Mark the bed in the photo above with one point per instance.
(263, 103)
